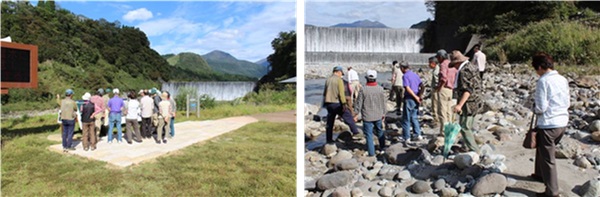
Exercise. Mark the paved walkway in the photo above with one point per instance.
(186, 133)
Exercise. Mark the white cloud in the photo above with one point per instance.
(139, 14)
(173, 26)
(228, 22)
(245, 37)
(401, 14)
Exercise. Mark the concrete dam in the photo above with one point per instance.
(329, 46)
(220, 90)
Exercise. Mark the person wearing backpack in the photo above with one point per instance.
(89, 128)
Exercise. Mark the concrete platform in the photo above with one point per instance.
(186, 133)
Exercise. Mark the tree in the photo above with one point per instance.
(282, 61)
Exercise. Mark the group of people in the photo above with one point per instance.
(453, 75)
(155, 109)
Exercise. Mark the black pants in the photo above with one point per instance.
(333, 110)
(545, 157)
(147, 127)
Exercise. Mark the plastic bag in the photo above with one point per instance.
(450, 132)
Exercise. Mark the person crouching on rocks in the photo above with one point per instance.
(371, 104)
(551, 107)
(334, 100)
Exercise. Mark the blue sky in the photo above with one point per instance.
(243, 29)
(395, 14)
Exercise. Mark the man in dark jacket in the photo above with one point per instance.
(89, 129)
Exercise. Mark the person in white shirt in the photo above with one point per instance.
(131, 119)
(479, 59)
(147, 106)
(397, 92)
(354, 82)
(552, 101)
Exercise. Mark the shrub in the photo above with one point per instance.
(182, 94)
(568, 42)
(207, 101)
(268, 94)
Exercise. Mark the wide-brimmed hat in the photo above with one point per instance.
(86, 96)
(457, 57)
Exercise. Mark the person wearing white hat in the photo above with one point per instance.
(372, 105)
(89, 130)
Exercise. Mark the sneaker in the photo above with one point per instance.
(93, 148)
(110, 142)
(164, 141)
(158, 141)
(86, 149)
(419, 138)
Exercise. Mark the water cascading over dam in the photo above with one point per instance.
(363, 46)
(220, 90)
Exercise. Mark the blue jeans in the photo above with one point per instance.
(368, 128)
(409, 118)
(172, 125)
(333, 110)
(67, 133)
(114, 118)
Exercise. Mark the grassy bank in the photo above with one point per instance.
(239, 163)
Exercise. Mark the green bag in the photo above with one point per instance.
(450, 132)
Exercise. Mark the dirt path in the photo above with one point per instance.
(286, 116)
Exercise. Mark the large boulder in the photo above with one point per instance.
(329, 150)
(397, 154)
(420, 187)
(490, 184)
(465, 160)
(590, 189)
(595, 126)
(596, 136)
(342, 155)
(341, 192)
(348, 164)
(567, 149)
(583, 162)
(333, 180)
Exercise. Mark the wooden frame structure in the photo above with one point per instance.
(12, 58)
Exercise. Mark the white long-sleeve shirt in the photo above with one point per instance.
(479, 59)
(352, 75)
(552, 101)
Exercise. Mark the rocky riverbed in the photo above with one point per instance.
(501, 169)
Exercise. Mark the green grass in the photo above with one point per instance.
(240, 163)
(223, 110)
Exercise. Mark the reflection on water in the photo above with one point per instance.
(313, 88)
(319, 141)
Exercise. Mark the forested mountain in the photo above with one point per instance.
(85, 54)
(81, 53)
(226, 63)
(362, 24)
(193, 66)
